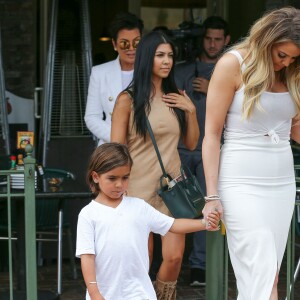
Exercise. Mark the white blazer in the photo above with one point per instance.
(104, 87)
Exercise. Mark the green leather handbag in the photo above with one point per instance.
(182, 195)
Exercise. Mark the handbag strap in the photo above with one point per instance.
(156, 148)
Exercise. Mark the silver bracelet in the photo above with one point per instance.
(93, 282)
(211, 198)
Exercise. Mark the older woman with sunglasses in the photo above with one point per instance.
(109, 79)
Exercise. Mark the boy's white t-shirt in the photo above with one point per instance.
(118, 237)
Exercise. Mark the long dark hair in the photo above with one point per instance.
(141, 85)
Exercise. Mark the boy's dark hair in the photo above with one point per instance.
(216, 22)
(125, 20)
(106, 157)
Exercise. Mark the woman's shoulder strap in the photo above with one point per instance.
(125, 98)
(129, 92)
(238, 55)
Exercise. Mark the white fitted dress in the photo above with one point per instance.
(257, 188)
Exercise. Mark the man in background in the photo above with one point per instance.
(193, 77)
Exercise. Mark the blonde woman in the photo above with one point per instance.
(254, 93)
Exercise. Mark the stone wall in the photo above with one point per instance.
(18, 26)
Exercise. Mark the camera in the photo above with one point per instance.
(187, 39)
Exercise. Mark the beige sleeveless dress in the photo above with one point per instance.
(146, 172)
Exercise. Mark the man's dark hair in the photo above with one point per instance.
(216, 22)
(125, 20)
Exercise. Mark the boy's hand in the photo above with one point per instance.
(212, 221)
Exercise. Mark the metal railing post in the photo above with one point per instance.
(215, 265)
(9, 219)
(226, 262)
(30, 226)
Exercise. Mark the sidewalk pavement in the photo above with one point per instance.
(75, 289)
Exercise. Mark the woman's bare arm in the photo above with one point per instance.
(191, 137)
(295, 130)
(225, 81)
(183, 101)
(120, 118)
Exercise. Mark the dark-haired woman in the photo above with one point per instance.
(109, 79)
(153, 94)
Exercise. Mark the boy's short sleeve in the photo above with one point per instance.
(85, 235)
(159, 222)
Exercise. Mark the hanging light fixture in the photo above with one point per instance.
(105, 36)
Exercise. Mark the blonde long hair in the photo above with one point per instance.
(277, 26)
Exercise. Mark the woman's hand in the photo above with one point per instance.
(181, 101)
(211, 207)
